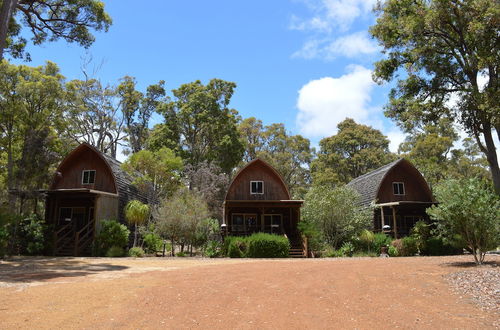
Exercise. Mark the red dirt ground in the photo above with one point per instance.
(362, 293)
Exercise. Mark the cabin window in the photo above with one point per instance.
(88, 177)
(256, 187)
(398, 188)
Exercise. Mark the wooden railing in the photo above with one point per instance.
(84, 237)
(305, 247)
(60, 236)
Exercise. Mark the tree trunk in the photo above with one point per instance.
(491, 156)
(135, 235)
(8, 8)
(10, 177)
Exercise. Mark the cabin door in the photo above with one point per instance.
(273, 223)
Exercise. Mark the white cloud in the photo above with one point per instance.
(325, 102)
(396, 137)
(349, 46)
(330, 14)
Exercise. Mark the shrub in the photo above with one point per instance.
(347, 249)
(262, 245)
(136, 252)
(111, 234)
(115, 251)
(152, 243)
(421, 232)
(366, 239)
(237, 247)
(180, 254)
(436, 246)
(406, 246)
(334, 253)
(213, 249)
(379, 240)
(315, 241)
(393, 251)
(365, 254)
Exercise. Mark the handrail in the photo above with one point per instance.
(62, 229)
(86, 230)
(58, 237)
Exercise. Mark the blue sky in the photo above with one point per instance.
(306, 63)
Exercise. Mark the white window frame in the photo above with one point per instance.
(402, 185)
(256, 193)
(83, 176)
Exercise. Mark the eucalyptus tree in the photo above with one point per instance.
(449, 52)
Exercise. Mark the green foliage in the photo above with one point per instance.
(471, 209)
(31, 234)
(366, 239)
(392, 251)
(181, 254)
(152, 242)
(115, 251)
(432, 42)
(421, 232)
(406, 246)
(136, 213)
(315, 240)
(379, 240)
(179, 217)
(355, 150)
(159, 170)
(200, 123)
(236, 246)
(50, 20)
(206, 231)
(262, 245)
(347, 249)
(436, 246)
(136, 252)
(336, 213)
(112, 234)
(213, 249)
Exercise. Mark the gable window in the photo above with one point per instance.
(398, 188)
(256, 187)
(88, 177)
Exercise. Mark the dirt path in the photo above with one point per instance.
(367, 293)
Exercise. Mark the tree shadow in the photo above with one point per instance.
(26, 270)
(471, 264)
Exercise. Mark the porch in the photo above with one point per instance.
(74, 215)
(400, 217)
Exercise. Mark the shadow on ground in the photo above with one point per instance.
(472, 264)
(44, 269)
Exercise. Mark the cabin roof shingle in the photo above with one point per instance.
(367, 185)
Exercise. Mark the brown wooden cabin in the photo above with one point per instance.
(258, 200)
(88, 187)
(400, 195)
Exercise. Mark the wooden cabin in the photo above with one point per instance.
(88, 187)
(400, 195)
(258, 200)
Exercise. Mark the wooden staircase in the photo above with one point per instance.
(296, 247)
(70, 243)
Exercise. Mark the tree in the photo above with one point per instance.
(251, 132)
(355, 150)
(137, 109)
(178, 217)
(94, 115)
(32, 124)
(446, 47)
(336, 213)
(470, 209)
(49, 20)
(209, 181)
(136, 213)
(160, 170)
(203, 126)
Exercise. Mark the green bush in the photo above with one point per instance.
(365, 254)
(393, 251)
(421, 232)
(436, 246)
(237, 247)
(111, 234)
(315, 240)
(366, 239)
(347, 249)
(115, 251)
(136, 252)
(379, 240)
(213, 249)
(406, 246)
(332, 253)
(153, 243)
(262, 245)
(181, 254)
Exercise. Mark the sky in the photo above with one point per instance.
(304, 63)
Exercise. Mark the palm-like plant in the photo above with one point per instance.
(136, 213)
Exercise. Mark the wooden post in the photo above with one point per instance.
(382, 217)
(394, 222)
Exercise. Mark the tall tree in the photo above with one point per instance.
(251, 132)
(137, 109)
(95, 115)
(355, 150)
(446, 48)
(200, 119)
(49, 20)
